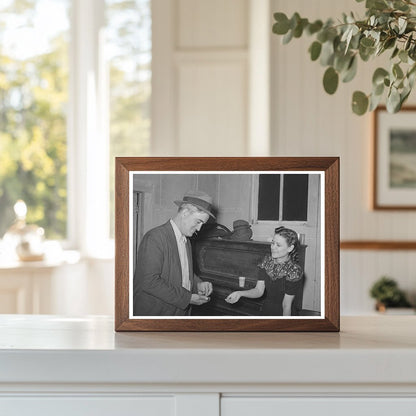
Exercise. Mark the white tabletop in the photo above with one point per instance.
(373, 349)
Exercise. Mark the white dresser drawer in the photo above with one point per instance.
(272, 406)
(87, 406)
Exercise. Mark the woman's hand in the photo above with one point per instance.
(233, 297)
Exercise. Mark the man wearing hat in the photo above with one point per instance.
(164, 283)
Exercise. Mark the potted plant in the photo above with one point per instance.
(389, 27)
(387, 294)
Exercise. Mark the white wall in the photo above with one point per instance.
(200, 77)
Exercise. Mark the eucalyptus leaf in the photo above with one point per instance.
(366, 53)
(294, 20)
(350, 18)
(342, 62)
(397, 71)
(412, 70)
(412, 52)
(404, 96)
(281, 26)
(389, 43)
(298, 30)
(359, 103)
(327, 54)
(374, 102)
(353, 30)
(378, 76)
(330, 80)
(367, 42)
(378, 89)
(395, 52)
(350, 73)
(403, 56)
(376, 4)
(288, 37)
(400, 5)
(408, 42)
(411, 78)
(314, 27)
(315, 50)
(376, 36)
(346, 34)
(402, 22)
(393, 101)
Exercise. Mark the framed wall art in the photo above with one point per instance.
(394, 180)
(227, 244)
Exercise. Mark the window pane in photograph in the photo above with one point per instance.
(33, 101)
(295, 197)
(129, 55)
(269, 197)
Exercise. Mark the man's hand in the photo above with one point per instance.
(233, 297)
(204, 288)
(197, 299)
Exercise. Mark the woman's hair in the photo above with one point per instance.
(291, 238)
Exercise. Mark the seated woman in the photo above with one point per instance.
(280, 275)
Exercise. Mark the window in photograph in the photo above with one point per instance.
(283, 197)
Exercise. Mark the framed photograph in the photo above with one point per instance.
(227, 244)
(395, 159)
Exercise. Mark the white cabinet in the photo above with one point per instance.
(79, 366)
(65, 286)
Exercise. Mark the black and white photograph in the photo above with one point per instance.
(226, 244)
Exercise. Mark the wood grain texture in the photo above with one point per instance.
(329, 165)
(121, 244)
(378, 245)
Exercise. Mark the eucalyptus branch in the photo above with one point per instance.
(339, 47)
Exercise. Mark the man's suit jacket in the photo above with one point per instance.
(157, 283)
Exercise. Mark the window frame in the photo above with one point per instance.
(87, 133)
(255, 198)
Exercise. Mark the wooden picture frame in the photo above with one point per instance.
(394, 159)
(209, 172)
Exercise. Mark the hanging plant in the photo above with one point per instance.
(389, 27)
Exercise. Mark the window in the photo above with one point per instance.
(283, 197)
(33, 99)
(75, 87)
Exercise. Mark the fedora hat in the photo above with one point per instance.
(241, 231)
(198, 199)
(237, 224)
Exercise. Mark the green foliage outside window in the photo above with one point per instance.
(33, 97)
(34, 102)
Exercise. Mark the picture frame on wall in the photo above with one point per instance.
(227, 244)
(394, 143)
